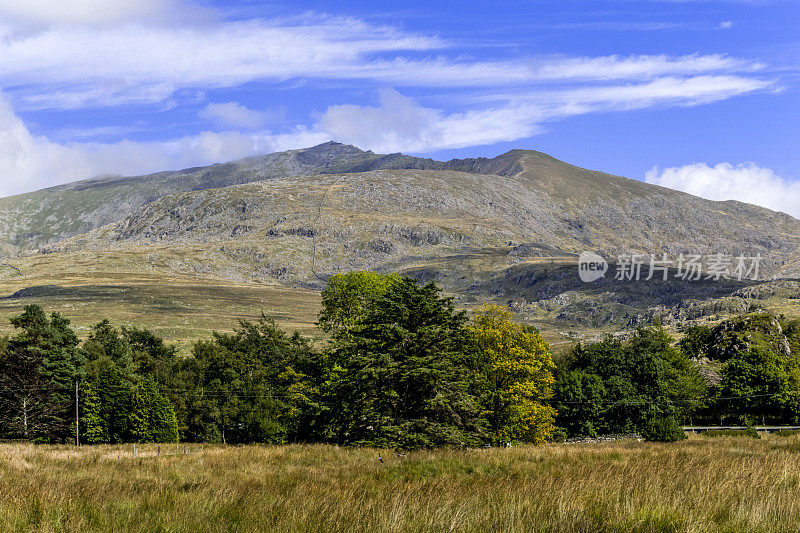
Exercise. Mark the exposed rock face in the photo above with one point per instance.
(741, 333)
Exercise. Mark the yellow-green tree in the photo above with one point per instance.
(518, 372)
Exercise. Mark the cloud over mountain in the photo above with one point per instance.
(746, 182)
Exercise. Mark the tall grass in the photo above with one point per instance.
(723, 484)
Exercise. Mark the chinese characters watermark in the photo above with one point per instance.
(686, 267)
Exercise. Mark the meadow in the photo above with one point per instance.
(180, 307)
(728, 484)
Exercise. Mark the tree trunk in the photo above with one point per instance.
(25, 417)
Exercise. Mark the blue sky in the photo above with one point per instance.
(696, 95)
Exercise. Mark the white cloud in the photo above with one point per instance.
(70, 67)
(690, 90)
(746, 182)
(234, 115)
(638, 66)
(29, 162)
(669, 90)
(400, 124)
(726, 25)
(443, 72)
(55, 12)
(76, 66)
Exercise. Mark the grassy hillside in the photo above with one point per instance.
(726, 484)
(180, 307)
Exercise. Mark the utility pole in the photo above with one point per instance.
(77, 426)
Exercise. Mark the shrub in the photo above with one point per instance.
(664, 429)
(559, 435)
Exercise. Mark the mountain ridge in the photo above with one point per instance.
(79, 207)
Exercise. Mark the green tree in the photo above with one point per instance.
(243, 378)
(764, 386)
(400, 373)
(122, 402)
(611, 387)
(38, 369)
(105, 413)
(152, 418)
(93, 426)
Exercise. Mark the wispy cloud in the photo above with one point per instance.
(72, 67)
(66, 66)
(399, 123)
(94, 53)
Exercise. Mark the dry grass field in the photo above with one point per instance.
(174, 297)
(726, 484)
(179, 306)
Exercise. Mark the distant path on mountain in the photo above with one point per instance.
(315, 230)
(19, 272)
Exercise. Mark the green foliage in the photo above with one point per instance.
(38, 369)
(791, 328)
(757, 359)
(122, 402)
(401, 373)
(696, 341)
(559, 435)
(152, 418)
(760, 330)
(95, 427)
(663, 429)
(760, 383)
(347, 298)
(243, 378)
(611, 387)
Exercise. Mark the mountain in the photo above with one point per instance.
(506, 228)
(29, 221)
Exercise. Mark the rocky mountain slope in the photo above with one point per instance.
(361, 210)
(506, 228)
(29, 221)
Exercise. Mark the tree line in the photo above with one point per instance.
(400, 367)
